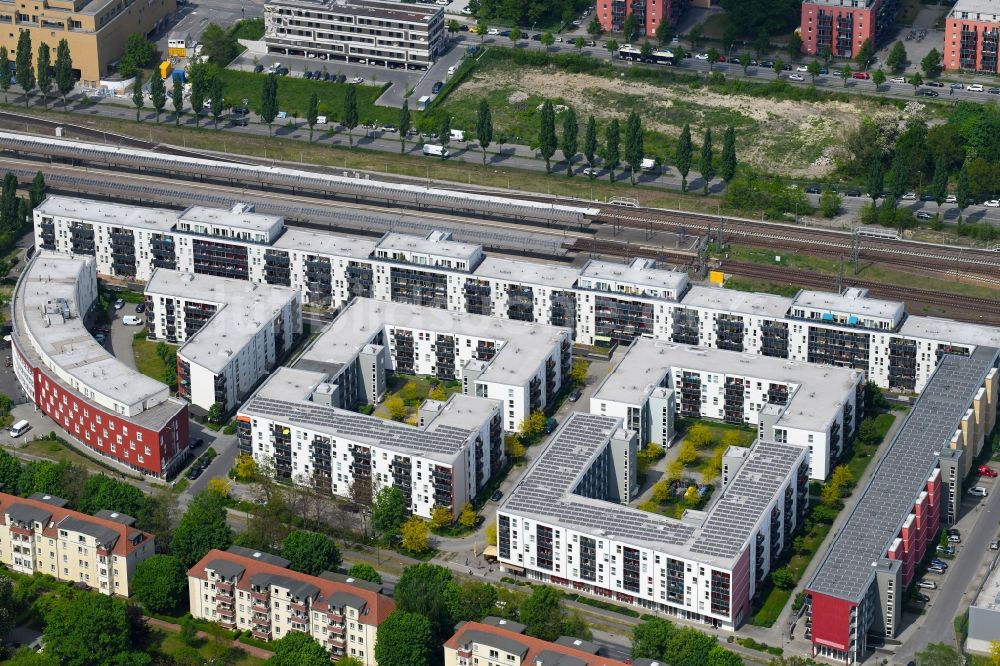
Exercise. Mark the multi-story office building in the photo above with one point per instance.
(972, 36)
(523, 365)
(290, 425)
(841, 28)
(648, 14)
(809, 405)
(498, 641)
(232, 332)
(857, 591)
(566, 523)
(110, 408)
(367, 31)
(244, 590)
(96, 30)
(605, 303)
(40, 535)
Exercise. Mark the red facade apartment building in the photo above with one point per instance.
(972, 35)
(648, 14)
(842, 26)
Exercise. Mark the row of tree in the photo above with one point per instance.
(48, 74)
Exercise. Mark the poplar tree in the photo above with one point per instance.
(484, 126)
(269, 100)
(44, 73)
(312, 113)
(612, 154)
(64, 70)
(138, 99)
(351, 111)
(404, 124)
(590, 142)
(157, 93)
(684, 152)
(23, 65)
(547, 134)
(728, 155)
(633, 144)
(177, 98)
(705, 165)
(570, 138)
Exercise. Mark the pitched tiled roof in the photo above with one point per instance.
(536, 650)
(120, 538)
(327, 592)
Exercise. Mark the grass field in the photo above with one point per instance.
(166, 643)
(294, 93)
(53, 450)
(147, 361)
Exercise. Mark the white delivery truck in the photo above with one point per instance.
(435, 150)
(423, 102)
(648, 164)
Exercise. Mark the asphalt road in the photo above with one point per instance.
(957, 588)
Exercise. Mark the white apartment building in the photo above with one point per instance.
(521, 364)
(40, 535)
(499, 641)
(358, 31)
(566, 523)
(791, 402)
(604, 302)
(245, 590)
(232, 332)
(290, 424)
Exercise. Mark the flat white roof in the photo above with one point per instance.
(950, 331)
(640, 272)
(740, 302)
(438, 244)
(851, 302)
(820, 394)
(978, 10)
(231, 217)
(325, 243)
(528, 272)
(244, 308)
(66, 342)
(91, 210)
(525, 345)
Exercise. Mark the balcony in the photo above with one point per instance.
(337, 642)
(261, 633)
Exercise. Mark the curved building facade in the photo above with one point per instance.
(107, 406)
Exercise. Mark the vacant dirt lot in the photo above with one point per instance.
(787, 137)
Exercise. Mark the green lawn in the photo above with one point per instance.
(168, 644)
(54, 450)
(294, 93)
(414, 389)
(147, 361)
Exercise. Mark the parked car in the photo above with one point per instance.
(853, 193)
(953, 531)
(951, 198)
(194, 473)
(864, 76)
(992, 203)
(921, 597)
(978, 491)
(140, 308)
(934, 84)
(796, 77)
(956, 86)
(132, 320)
(436, 88)
(995, 544)
(897, 79)
(974, 87)
(493, 31)
(945, 550)
(358, 79)
(987, 471)
(701, 56)
(590, 172)
(935, 562)
(927, 585)
(496, 496)
(935, 570)
(101, 338)
(802, 68)
(909, 196)
(574, 395)
(767, 63)
(924, 215)
(198, 442)
(927, 93)
(812, 189)
(954, 538)
(119, 304)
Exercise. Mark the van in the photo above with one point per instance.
(19, 428)
(648, 164)
(435, 151)
(423, 102)
(131, 320)
(458, 135)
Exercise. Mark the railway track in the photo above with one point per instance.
(966, 308)
(824, 242)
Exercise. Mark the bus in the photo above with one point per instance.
(629, 52)
(663, 57)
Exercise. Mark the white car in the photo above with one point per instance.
(442, 2)
(321, 120)
(974, 87)
(357, 79)
(701, 56)
(910, 196)
(466, 11)
(992, 203)
(802, 68)
(796, 77)
(131, 320)
(927, 585)
(951, 198)
(589, 172)
(493, 31)
(897, 79)
(975, 491)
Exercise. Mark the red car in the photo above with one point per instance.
(986, 471)
(862, 75)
